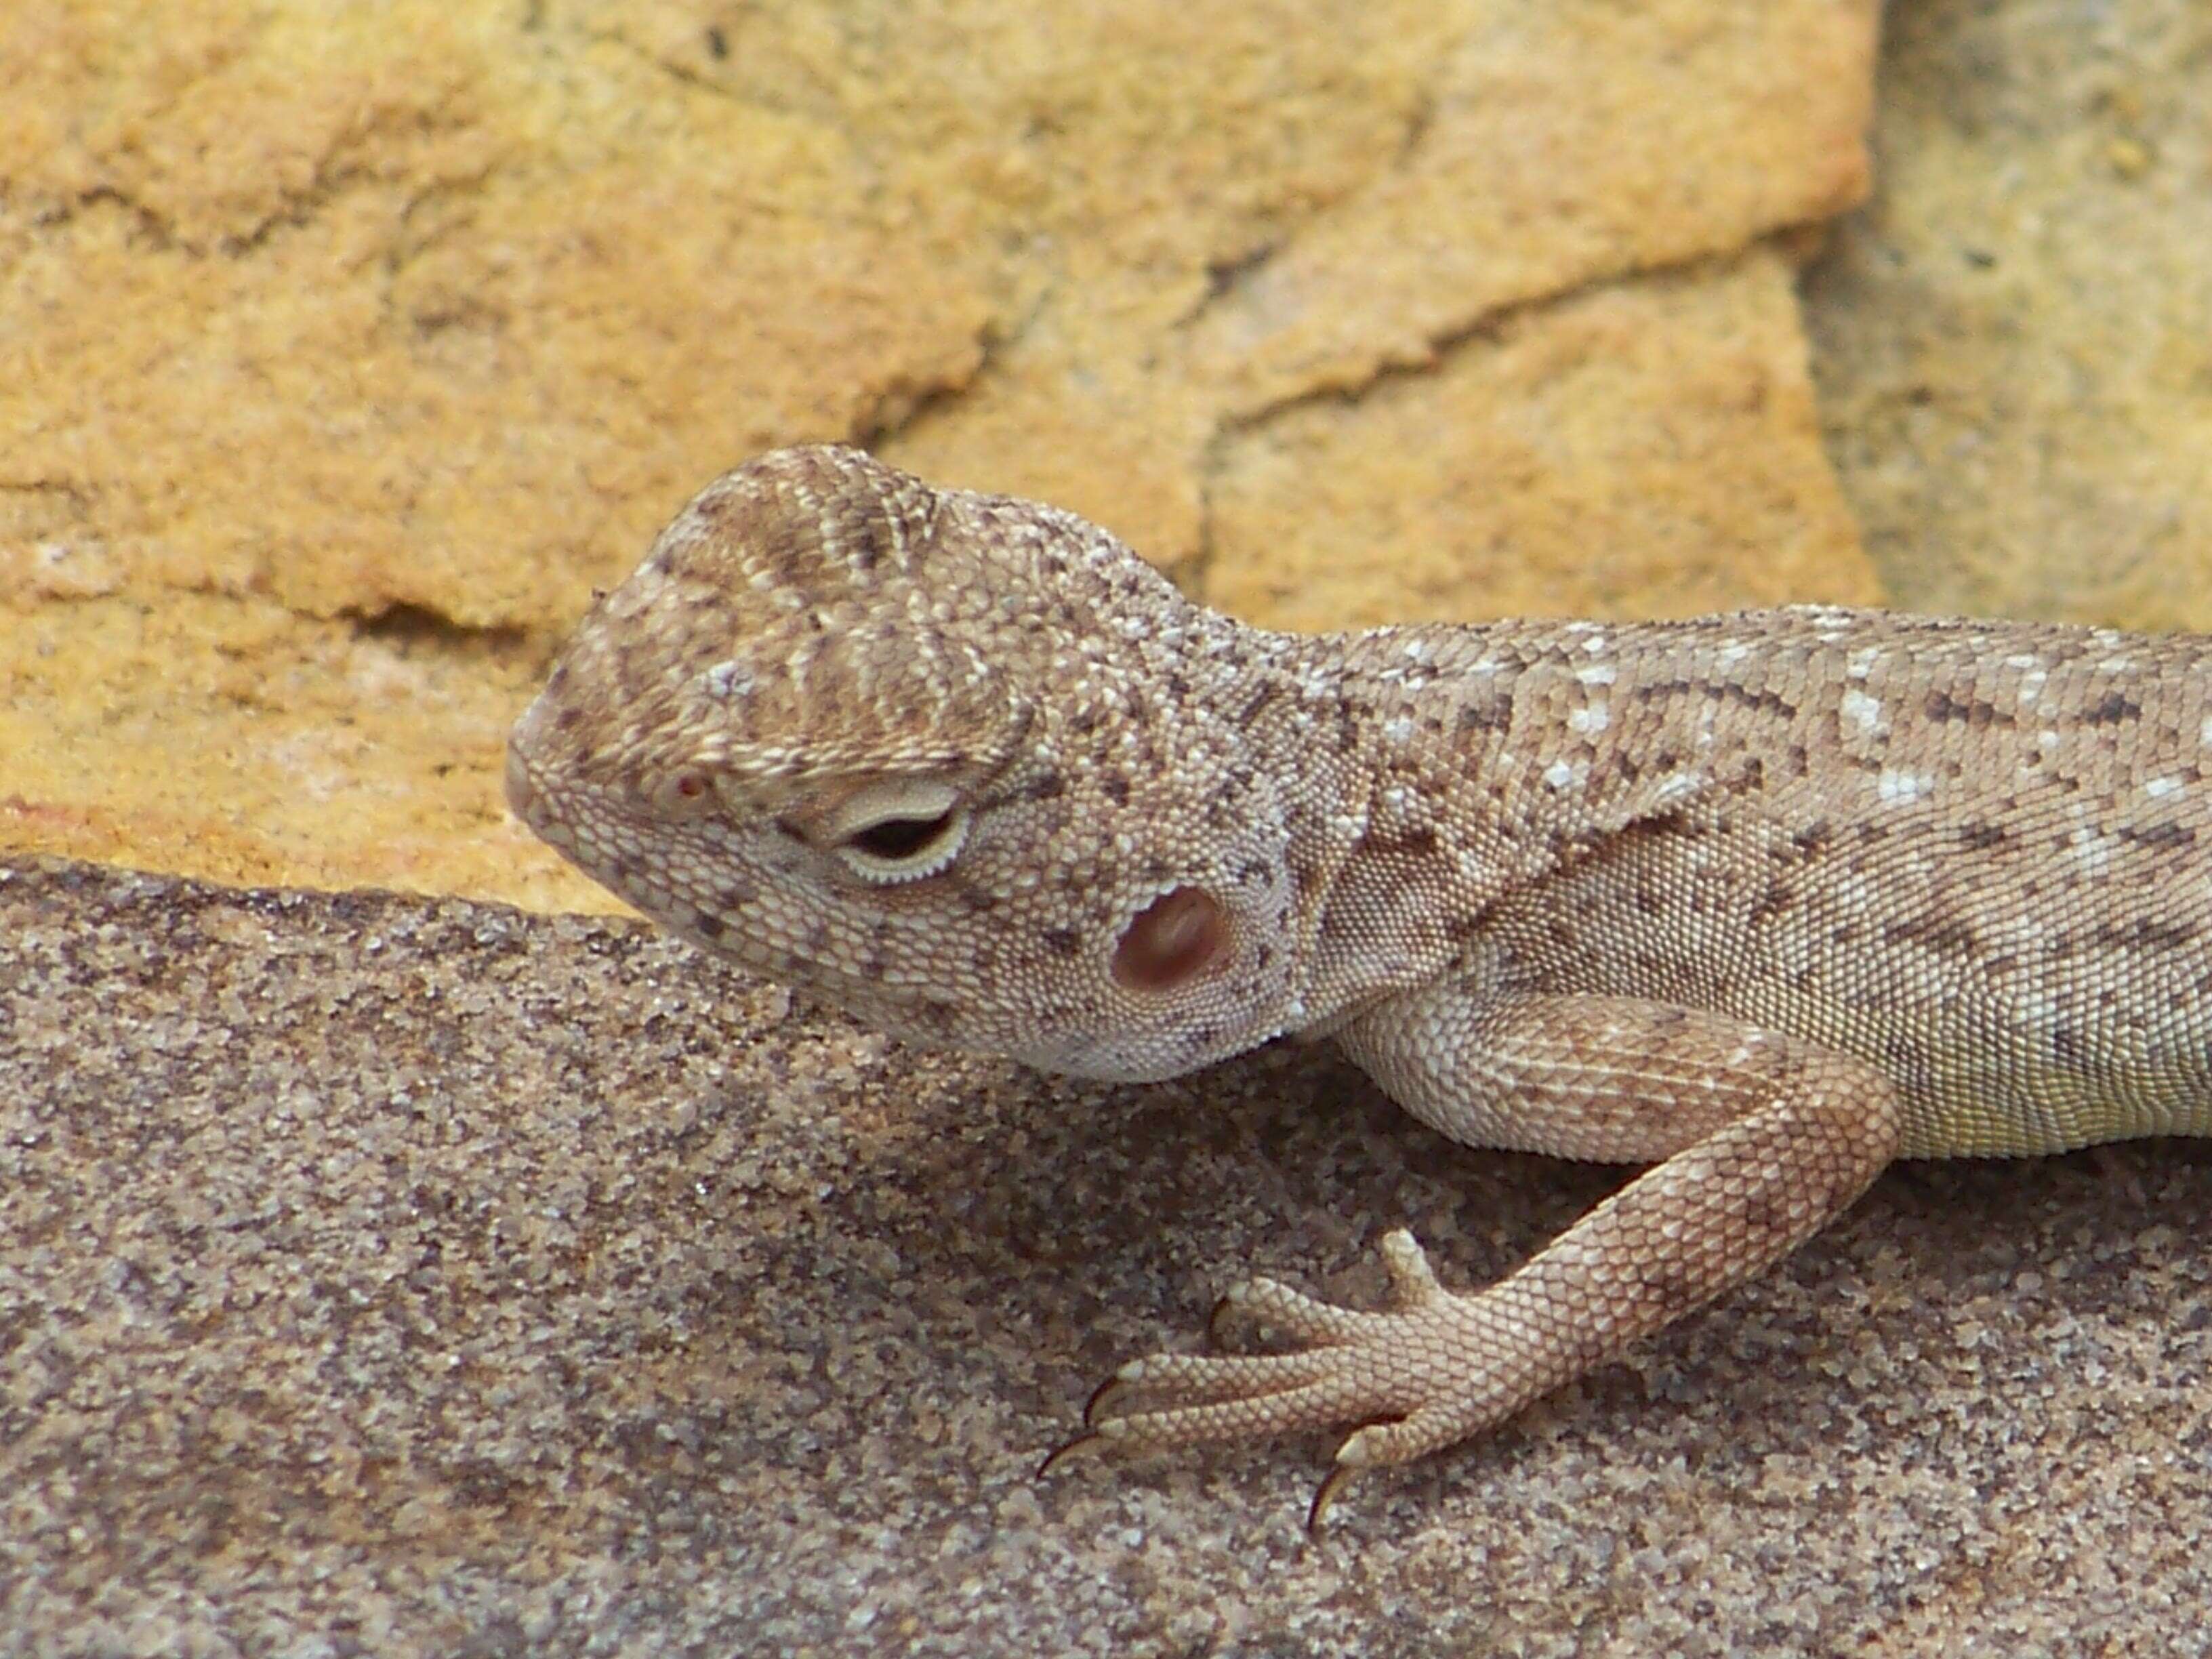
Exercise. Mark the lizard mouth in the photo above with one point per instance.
(521, 793)
(528, 802)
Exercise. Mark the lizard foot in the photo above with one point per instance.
(1416, 1373)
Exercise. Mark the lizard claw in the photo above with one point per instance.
(1103, 1397)
(1082, 1443)
(1325, 1495)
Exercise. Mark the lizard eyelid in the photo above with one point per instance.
(902, 831)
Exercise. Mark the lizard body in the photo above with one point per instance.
(1764, 901)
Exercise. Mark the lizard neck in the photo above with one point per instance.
(1426, 771)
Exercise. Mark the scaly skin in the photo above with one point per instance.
(1764, 901)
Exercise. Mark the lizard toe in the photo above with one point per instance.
(1329, 1398)
(1172, 1380)
(1401, 1440)
(1294, 1313)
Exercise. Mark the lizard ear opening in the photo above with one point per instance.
(901, 831)
(1179, 936)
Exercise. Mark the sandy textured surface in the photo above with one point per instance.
(343, 349)
(434, 1279)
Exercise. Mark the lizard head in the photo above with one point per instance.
(961, 764)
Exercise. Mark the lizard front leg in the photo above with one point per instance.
(1759, 1139)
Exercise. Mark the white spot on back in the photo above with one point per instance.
(1559, 774)
(1590, 718)
(2159, 788)
(728, 679)
(1896, 788)
(1598, 673)
(2091, 848)
(1862, 710)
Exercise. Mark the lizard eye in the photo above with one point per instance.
(900, 832)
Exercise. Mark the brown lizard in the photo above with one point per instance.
(1764, 901)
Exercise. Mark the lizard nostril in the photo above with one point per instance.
(1177, 937)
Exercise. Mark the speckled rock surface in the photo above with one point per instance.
(2014, 342)
(395, 1276)
(1529, 475)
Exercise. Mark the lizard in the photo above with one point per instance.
(1759, 901)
